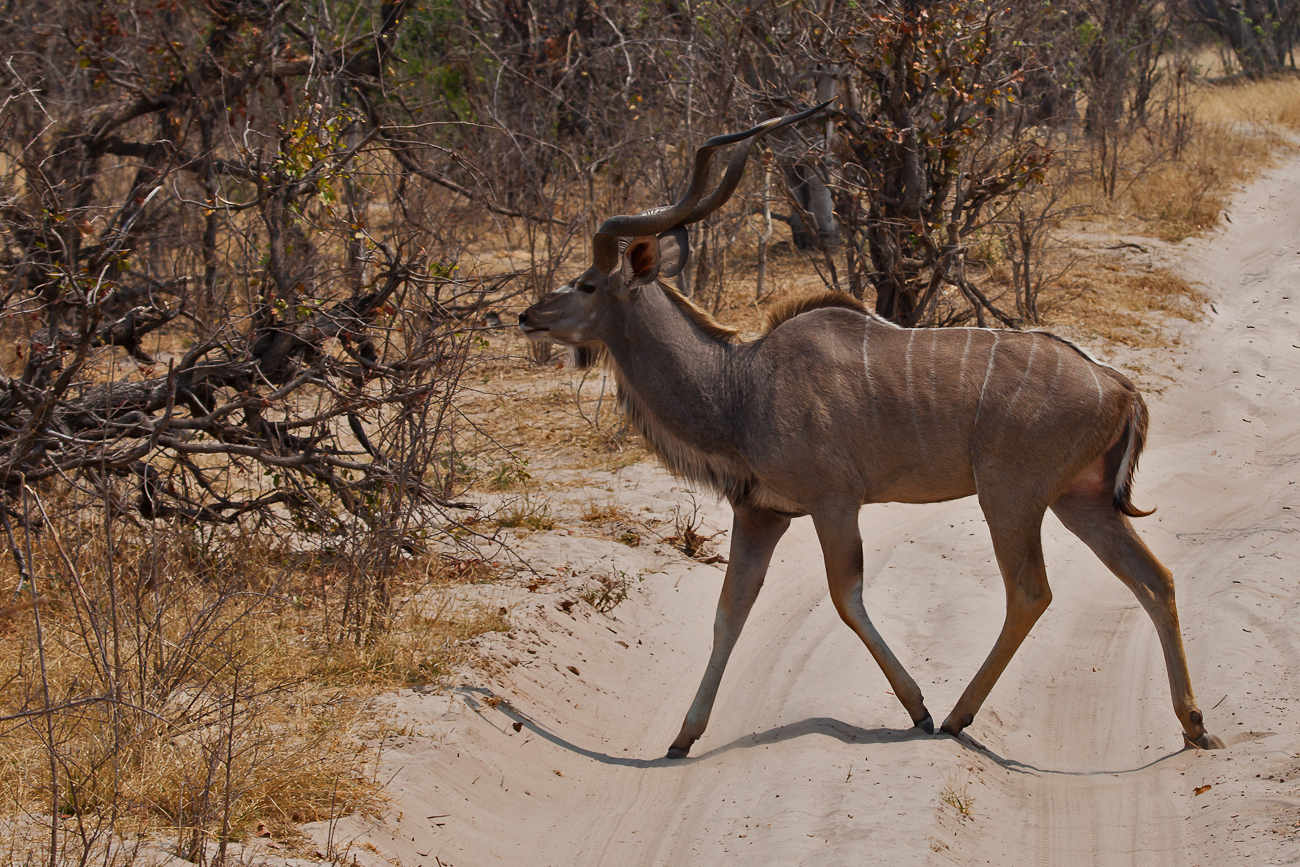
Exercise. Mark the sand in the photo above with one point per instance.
(1076, 758)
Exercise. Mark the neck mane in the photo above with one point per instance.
(586, 355)
(703, 320)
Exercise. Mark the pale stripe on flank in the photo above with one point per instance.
(1101, 398)
(1051, 389)
(961, 373)
(1024, 379)
(866, 371)
(911, 394)
(932, 378)
(988, 374)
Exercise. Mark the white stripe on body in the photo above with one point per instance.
(1101, 399)
(932, 379)
(1051, 389)
(979, 406)
(866, 370)
(965, 353)
(988, 374)
(1024, 379)
(912, 402)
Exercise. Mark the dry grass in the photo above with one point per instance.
(1238, 125)
(425, 646)
(1266, 103)
(1182, 198)
(621, 525)
(1117, 304)
(1164, 191)
(604, 513)
(526, 513)
(559, 417)
(1170, 193)
(199, 691)
(961, 801)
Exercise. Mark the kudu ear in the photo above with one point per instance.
(641, 261)
(674, 250)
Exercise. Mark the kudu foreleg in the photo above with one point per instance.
(754, 534)
(1113, 539)
(1019, 550)
(842, 549)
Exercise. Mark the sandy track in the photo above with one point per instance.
(1075, 759)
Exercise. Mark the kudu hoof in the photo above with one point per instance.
(1206, 741)
(953, 726)
(926, 725)
(678, 752)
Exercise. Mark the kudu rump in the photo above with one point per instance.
(835, 407)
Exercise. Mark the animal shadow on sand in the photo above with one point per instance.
(822, 726)
(846, 733)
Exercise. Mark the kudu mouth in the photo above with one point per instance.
(535, 322)
(531, 330)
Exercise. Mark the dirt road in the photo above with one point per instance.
(1076, 759)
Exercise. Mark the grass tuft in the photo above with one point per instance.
(963, 802)
(526, 513)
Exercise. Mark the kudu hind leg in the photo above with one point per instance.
(754, 534)
(1017, 543)
(1113, 539)
(842, 549)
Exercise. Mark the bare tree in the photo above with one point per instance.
(228, 269)
(928, 156)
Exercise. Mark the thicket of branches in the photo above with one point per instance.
(234, 330)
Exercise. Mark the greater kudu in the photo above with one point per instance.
(835, 407)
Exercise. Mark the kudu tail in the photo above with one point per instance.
(1122, 459)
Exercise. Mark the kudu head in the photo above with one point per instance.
(630, 251)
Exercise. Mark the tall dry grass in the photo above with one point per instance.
(1177, 177)
(192, 688)
(1266, 103)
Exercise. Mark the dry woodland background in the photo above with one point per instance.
(262, 416)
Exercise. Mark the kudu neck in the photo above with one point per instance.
(671, 367)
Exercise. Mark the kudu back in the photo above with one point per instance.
(835, 407)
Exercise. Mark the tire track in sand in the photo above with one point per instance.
(803, 715)
(1094, 774)
(1090, 768)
